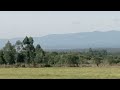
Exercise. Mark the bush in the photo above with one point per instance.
(47, 65)
(23, 65)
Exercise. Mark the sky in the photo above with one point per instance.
(40, 23)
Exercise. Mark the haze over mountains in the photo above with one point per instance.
(96, 39)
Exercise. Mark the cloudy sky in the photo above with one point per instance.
(39, 23)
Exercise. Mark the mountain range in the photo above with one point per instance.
(96, 39)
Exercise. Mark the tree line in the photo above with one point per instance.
(25, 54)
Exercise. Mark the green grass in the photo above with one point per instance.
(61, 73)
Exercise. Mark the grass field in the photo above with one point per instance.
(61, 73)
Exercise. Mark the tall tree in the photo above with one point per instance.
(72, 60)
(97, 60)
(19, 57)
(39, 54)
(29, 50)
(31, 41)
(39, 49)
(19, 46)
(26, 40)
(32, 53)
(8, 46)
(9, 53)
(2, 60)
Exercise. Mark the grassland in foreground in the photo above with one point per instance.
(61, 73)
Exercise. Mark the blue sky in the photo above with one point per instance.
(39, 23)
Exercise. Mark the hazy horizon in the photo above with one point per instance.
(40, 23)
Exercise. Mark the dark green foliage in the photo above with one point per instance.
(2, 60)
(8, 47)
(26, 40)
(38, 58)
(27, 57)
(110, 60)
(72, 60)
(29, 50)
(9, 57)
(113, 59)
(31, 41)
(19, 58)
(97, 60)
(24, 54)
(39, 54)
(38, 47)
(9, 53)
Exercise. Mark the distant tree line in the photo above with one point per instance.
(25, 54)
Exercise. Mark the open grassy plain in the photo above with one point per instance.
(61, 73)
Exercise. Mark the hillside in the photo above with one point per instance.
(81, 40)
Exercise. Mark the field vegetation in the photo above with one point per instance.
(25, 54)
(112, 72)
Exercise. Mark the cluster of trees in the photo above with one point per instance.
(21, 52)
(25, 53)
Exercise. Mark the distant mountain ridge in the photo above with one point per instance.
(96, 39)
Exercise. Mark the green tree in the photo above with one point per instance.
(2, 60)
(73, 60)
(9, 53)
(38, 58)
(9, 57)
(110, 59)
(97, 60)
(19, 46)
(90, 51)
(39, 54)
(31, 41)
(19, 58)
(26, 40)
(32, 52)
(29, 50)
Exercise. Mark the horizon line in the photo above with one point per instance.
(63, 33)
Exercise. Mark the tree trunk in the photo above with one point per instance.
(97, 65)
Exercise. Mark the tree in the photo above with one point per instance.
(19, 58)
(39, 49)
(29, 50)
(73, 60)
(9, 53)
(39, 54)
(19, 46)
(26, 40)
(27, 57)
(32, 52)
(8, 46)
(110, 59)
(104, 52)
(97, 60)
(113, 59)
(90, 51)
(38, 58)
(9, 57)
(31, 41)
(2, 60)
